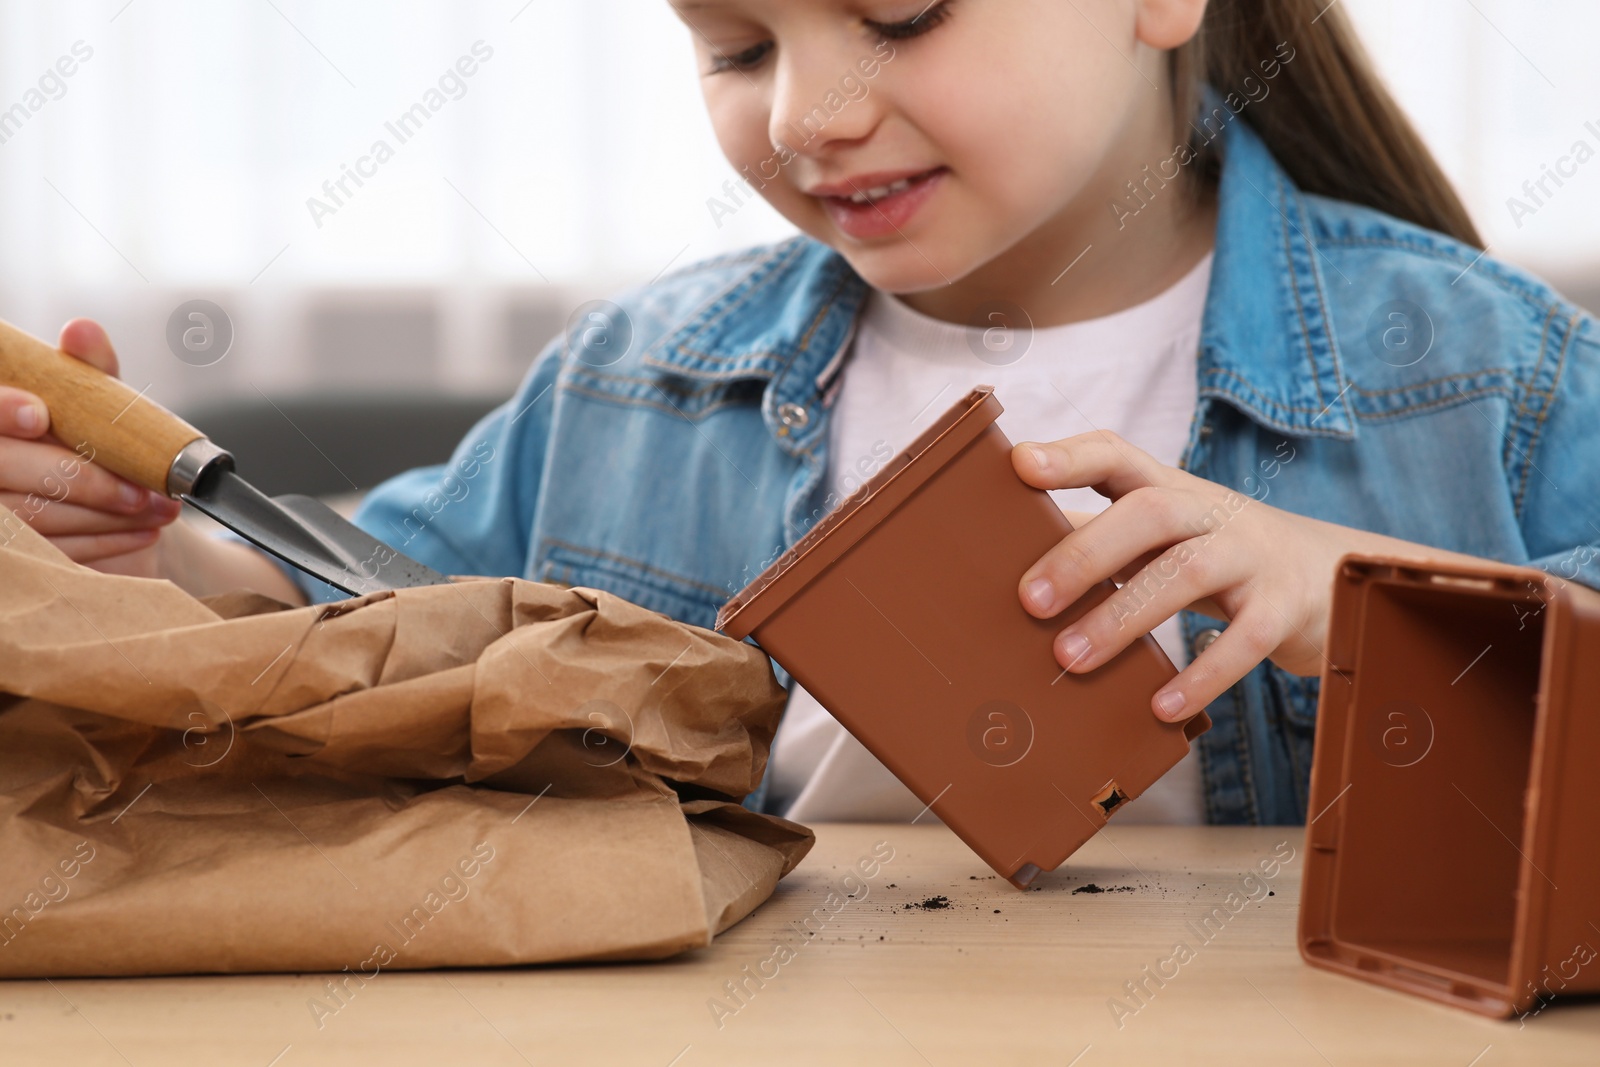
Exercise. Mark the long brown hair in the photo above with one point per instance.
(1327, 117)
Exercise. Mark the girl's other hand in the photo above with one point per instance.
(1175, 541)
(87, 512)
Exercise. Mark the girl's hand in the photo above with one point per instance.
(89, 513)
(1176, 541)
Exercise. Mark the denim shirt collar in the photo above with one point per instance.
(1267, 346)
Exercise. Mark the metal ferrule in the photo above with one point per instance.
(195, 459)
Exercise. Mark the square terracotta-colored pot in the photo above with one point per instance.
(899, 613)
(1455, 804)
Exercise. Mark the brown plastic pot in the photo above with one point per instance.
(899, 612)
(1451, 847)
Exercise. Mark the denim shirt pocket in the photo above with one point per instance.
(644, 584)
(1299, 695)
(1296, 699)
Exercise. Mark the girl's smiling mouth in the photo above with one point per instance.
(878, 203)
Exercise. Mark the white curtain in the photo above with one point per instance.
(1502, 89)
(557, 149)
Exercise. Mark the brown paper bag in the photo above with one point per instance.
(490, 772)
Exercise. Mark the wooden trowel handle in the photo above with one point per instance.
(130, 434)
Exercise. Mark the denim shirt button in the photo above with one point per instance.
(1203, 639)
(793, 416)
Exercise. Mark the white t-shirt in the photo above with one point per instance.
(1133, 372)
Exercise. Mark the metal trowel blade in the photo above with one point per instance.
(308, 534)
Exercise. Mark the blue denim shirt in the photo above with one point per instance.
(1352, 367)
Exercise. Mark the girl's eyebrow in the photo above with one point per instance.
(686, 6)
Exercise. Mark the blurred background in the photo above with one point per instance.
(179, 159)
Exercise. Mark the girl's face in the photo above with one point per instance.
(967, 126)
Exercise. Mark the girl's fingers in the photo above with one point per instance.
(87, 340)
(1145, 519)
(1099, 460)
(54, 518)
(95, 547)
(1248, 640)
(22, 414)
(1176, 579)
(56, 473)
(1079, 519)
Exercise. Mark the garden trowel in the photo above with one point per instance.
(125, 432)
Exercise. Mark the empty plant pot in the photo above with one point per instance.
(1450, 848)
(899, 612)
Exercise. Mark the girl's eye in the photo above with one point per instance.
(930, 17)
(744, 60)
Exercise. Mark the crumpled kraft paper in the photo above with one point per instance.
(460, 775)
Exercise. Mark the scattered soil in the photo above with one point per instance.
(938, 903)
(1090, 887)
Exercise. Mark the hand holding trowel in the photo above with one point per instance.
(138, 439)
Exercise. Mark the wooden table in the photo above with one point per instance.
(996, 977)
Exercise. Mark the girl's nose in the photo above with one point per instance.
(820, 98)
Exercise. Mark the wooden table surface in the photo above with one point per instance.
(997, 976)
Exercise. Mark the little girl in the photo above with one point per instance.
(1239, 322)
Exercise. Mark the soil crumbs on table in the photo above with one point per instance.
(1091, 887)
(930, 904)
